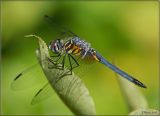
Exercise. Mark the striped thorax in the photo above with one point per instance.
(73, 46)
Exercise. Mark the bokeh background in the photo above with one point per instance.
(124, 31)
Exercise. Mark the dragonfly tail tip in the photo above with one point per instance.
(140, 84)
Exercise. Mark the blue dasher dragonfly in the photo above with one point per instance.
(69, 49)
(78, 47)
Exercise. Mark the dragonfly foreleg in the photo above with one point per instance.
(71, 65)
(63, 62)
(75, 62)
(57, 56)
(53, 64)
(69, 68)
(56, 64)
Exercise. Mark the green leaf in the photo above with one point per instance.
(145, 112)
(70, 89)
(132, 95)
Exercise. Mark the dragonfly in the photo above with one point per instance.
(79, 47)
(69, 49)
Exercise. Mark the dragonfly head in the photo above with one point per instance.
(56, 46)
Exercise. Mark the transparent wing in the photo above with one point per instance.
(74, 84)
(85, 66)
(31, 76)
(45, 92)
(28, 78)
(65, 32)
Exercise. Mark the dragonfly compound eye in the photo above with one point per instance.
(56, 46)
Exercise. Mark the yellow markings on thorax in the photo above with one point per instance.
(68, 46)
(73, 49)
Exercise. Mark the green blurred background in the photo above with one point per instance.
(124, 31)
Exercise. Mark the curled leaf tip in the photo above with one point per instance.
(132, 95)
(32, 35)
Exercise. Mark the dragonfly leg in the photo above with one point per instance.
(70, 67)
(57, 56)
(54, 64)
(63, 61)
(61, 67)
(58, 65)
(75, 62)
(69, 72)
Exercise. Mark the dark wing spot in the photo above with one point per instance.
(18, 76)
(38, 92)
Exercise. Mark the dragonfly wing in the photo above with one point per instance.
(119, 71)
(45, 92)
(64, 30)
(28, 78)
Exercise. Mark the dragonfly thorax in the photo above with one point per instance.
(77, 46)
(74, 46)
